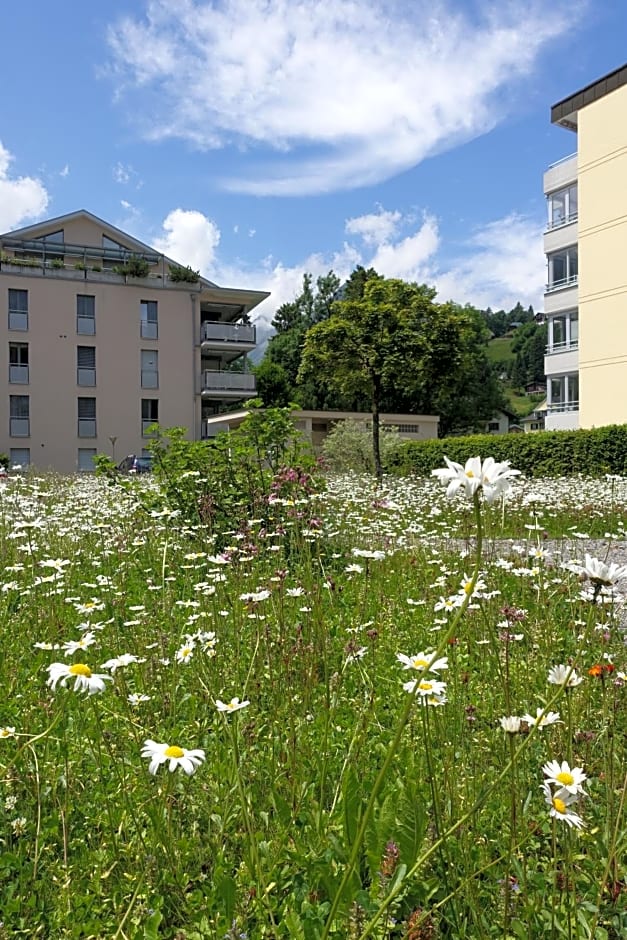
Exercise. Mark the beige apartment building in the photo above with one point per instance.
(102, 338)
(586, 248)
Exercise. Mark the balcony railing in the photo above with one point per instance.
(561, 347)
(227, 332)
(561, 406)
(210, 429)
(563, 160)
(560, 223)
(562, 282)
(215, 381)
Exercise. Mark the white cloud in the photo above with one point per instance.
(190, 238)
(22, 199)
(376, 227)
(504, 263)
(343, 93)
(65, 172)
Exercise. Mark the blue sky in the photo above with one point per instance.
(258, 139)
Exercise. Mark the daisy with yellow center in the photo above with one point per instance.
(187, 760)
(423, 662)
(560, 804)
(425, 688)
(7, 732)
(233, 706)
(562, 775)
(84, 679)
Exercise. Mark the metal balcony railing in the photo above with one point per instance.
(561, 347)
(561, 406)
(570, 281)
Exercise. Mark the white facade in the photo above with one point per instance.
(561, 301)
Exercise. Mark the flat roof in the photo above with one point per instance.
(564, 112)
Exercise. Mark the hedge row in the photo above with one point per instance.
(541, 454)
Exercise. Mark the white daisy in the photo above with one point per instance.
(564, 675)
(510, 724)
(425, 687)
(177, 756)
(560, 803)
(423, 662)
(233, 706)
(542, 718)
(85, 679)
(562, 775)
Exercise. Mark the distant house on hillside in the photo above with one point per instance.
(536, 420)
(503, 422)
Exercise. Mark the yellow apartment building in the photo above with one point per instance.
(103, 336)
(586, 248)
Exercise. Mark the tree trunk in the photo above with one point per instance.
(376, 449)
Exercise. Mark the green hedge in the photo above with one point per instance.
(541, 454)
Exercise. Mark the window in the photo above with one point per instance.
(18, 363)
(85, 459)
(49, 247)
(564, 332)
(18, 309)
(563, 268)
(113, 253)
(85, 314)
(87, 417)
(406, 428)
(19, 458)
(19, 411)
(148, 315)
(562, 206)
(85, 365)
(563, 393)
(494, 426)
(150, 414)
(150, 368)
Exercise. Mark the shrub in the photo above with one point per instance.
(134, 267)
(179, 273)
(240, 474)
(348, 446)
(592, 452)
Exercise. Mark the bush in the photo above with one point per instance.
(240, 474)
(546, 453)
(134, 267)
(348, 446)
(179, 273)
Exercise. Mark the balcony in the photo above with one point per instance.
(210, 429)
(561, 359)
(240, 337)
(562, 416)
(224, 385)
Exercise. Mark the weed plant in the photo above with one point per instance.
(351, 705)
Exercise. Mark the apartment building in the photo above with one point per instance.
(585, 245)
(104, 336)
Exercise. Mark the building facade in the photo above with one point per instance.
(316, 425)
(585, 244)
(102, 338)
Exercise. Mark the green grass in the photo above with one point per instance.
(334, 804)
(500, 349)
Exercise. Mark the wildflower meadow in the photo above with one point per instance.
(392, 711)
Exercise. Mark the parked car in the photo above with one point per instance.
(135, 464)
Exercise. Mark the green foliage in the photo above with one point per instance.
(4, 461)
(133, 267)
(223, 482)
(544, 453)
(273, 386)
(57, 263)
(348, 447)
(186, 274)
